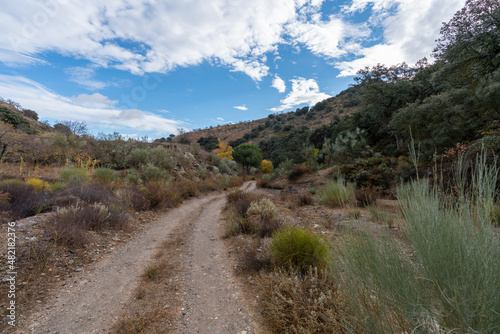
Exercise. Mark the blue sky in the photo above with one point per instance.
(150, 67)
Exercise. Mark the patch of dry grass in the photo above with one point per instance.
(294, 303)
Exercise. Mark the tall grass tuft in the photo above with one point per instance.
(336, 193)
(450, 283)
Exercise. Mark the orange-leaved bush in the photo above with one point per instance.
(224, 150)
(267, 166)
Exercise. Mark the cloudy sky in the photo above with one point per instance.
(150, 67)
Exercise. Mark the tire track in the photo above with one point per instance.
(94, 298)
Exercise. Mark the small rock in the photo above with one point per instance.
(78, 269)
(34, 325)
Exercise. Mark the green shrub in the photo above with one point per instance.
(11, 117)
(133, 176)
(57, 186)
(299, 249)
(140, 157)
(162, 158)
(104, 174)
(336, 194)
(74, 176)
(151, 173)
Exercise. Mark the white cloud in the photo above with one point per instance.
(95, 100)
(158, 36)
(84, 77)
(409, 34)
(304, 91)
(279, 84)
(333, 38)
(243, 107)
(220, 119)
(147, 35)
(96, 110)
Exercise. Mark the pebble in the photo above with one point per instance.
(78, 269)
(36, 324)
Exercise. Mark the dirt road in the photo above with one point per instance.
(92, 300)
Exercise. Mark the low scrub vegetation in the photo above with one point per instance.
(450, 283)
(336, 194)
(294, 303)
(299, 249)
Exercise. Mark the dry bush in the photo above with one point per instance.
(185, 188)
(297, 172)
(252, 261)
(4, 198)
(268, 226)
(241, 201)
(304, 198)
(367, 196)
(69, 225)
(92, 193)
(137, 199)
(293, 303)
(236, 224)
(23, 200)
(159, 195)
(208, 185)
(235, 181)
(37, 253)
(264, 183)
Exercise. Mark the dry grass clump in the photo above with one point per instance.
(4, 198)
(69, 224)
(91, 193)
(37, 254)
(21, 200)
(159, 195)
(304, 198)
(293, 303)
(367, 196)
(235, 181)
(297, 171)
(240, 200)
(269, 184)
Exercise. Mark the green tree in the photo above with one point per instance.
(469, 46)
(248, 156)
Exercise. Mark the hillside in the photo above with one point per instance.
(26, 120)
(253, 132)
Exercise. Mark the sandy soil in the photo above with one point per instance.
(93, 299)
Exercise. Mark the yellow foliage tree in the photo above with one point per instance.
(267, 166)
(224, 150)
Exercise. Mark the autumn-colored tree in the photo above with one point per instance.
(224, 150)
(267, 166)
